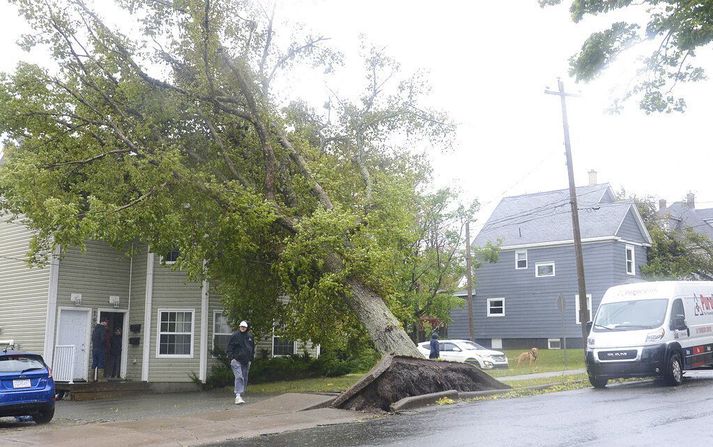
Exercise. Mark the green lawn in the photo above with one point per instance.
(318, 385)
(548, 360)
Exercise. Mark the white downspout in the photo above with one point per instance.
(147, 317)
(203, 368)
(51, 319)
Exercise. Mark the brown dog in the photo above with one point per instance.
(528, 356)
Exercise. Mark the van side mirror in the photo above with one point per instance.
(678, 322)
(589, 326)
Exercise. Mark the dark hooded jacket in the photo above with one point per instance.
(241, 347)
(435, 348)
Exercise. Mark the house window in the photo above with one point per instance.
(175, 333)
(544, 269)
(496, 307)
(630, 266)
(282, 346)
(171, 257)
(221, 331)
(554, 343)
(589, 308)
(520, 259)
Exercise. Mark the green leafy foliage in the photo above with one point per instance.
(678, 28)
(172, 137)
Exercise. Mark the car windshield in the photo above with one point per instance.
(630, 315)
(470, 346)
(20, 363)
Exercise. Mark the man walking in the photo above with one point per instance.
(98, 351)
(241, 351)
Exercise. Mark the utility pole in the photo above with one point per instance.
(469, 285)
(583, 312)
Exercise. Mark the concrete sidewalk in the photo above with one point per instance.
(270, 415)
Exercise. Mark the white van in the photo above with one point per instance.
(651, 329)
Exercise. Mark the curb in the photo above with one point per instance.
(422, 400)
(408, 403)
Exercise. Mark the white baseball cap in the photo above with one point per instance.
(243, 323)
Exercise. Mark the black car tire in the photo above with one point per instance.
(44, 416)
(598, 382)
(674, 370)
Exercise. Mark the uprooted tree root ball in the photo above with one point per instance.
(395, 378)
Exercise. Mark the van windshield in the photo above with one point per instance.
(630, 315)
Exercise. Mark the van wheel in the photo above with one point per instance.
(598, 382)
(674, 370)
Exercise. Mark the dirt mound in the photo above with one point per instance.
(394, 378)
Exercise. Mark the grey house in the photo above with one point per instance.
(682, 215)
(529, 297)
(169, 325)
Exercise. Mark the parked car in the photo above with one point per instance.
(465, 351)
(26, 386)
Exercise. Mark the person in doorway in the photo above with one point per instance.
(98, 349)
(115, 354)
(435, 348)
(241, 351)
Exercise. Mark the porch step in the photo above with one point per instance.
(101, 390)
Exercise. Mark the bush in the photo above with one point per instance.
(293, 367)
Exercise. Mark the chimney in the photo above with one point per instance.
(592, 177)
(691, 200)
(662, 204)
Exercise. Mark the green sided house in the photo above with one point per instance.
(169, 325)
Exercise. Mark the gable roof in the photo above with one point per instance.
(545, 217)
(680, 215)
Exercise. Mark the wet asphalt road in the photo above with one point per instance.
(634, 414)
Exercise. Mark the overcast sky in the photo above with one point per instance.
(489, 63)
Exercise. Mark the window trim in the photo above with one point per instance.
(630, 249)
(541, 264)
(488, 306)
(158, 333)
(523, 251)
(215, 313)
(163, 259)
(554, 340)
(576, 307)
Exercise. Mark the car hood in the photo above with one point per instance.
(620, 339)
(484, 352)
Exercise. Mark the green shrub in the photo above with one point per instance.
(293, 367)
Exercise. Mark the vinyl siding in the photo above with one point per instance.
(629, 230)
(172, 290)
(23, 290)
(136, 314)
(97, 273)
(531, 309)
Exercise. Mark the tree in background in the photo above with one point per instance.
(174, 137)
(677, 29)
(675, 253)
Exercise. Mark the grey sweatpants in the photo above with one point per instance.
(240, 371)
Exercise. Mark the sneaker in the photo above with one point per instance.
(239, 400)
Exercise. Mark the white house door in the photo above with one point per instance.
(73, 327)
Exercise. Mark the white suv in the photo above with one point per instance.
(465, 351)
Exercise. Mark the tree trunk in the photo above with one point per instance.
(381, 325)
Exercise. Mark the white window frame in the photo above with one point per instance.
(159, 333)
(489, 301)
(517, 260)
(215, 315)
(165, 261)
(272, 345)
(542, 264)
(551, 341)
(630, 265)
(576, 307)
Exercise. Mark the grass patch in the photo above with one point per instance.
(549, 360)
(316, 385)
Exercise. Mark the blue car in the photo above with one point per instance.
(26, 386)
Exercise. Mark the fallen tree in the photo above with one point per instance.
(174, 137)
